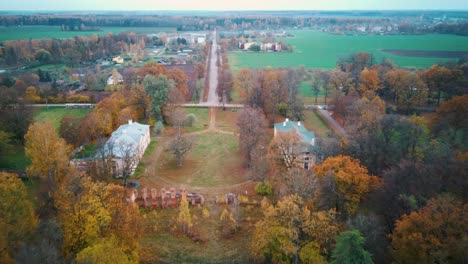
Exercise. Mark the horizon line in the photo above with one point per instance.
(231, 10)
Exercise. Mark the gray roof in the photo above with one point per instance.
(125, 139)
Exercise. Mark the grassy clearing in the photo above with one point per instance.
(227, 120)
(213, 161)
(313, 121)
(55, 114)
(39, 32)
(315, 49)
(201, 122)
(88, 152)
(149, 150)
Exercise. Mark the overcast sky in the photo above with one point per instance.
(149, 5)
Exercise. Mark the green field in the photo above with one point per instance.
(55, 114)
(39, 32)
(315, 49)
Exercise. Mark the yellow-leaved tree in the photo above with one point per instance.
(17, 218)
(289, 231)
(48, 153)
(90, 211)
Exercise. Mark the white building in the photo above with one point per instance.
(126, 147)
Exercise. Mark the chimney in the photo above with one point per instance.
(130, 121)
(299, 123)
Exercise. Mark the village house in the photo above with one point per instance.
(126, 147)
(303, 153)
(111, 81)
(118, 60)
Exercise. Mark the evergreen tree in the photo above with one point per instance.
(349, 249)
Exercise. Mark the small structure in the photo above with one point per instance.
(305, 157)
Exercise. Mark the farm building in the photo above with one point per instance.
(126, 147)
(302, 152)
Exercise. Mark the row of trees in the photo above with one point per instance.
(274, 91)
(71, 51)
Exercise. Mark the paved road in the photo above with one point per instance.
(212, 97)
(332, 122)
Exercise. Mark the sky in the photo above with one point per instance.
(222, 5)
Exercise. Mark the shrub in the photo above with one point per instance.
(191, 118)
(158, 128)
(263, 188)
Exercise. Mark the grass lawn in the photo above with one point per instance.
(227, 120)
(213, 161)
(313, 121)
(55, 114)
(39, 32)
(315, 49)
(88, 152)
(201, 122)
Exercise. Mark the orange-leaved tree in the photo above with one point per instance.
(435, 233)
(347, 181)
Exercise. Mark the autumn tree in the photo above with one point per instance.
(369, 81)
(408, 88)
(200, 70)
(252, 129)
(349, 249)
(184, 218)
(451, 121)
(440, 79)
(151, 68)
(346, 181)
(48, 153)
(180, 80)
(106, 251)
(433, 234)
(17, 217)
(70, 130)
(89, 212)
(157, 88)
(243, 83)
(289, 232)
(225, 83)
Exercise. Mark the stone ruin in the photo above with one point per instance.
(166, 198)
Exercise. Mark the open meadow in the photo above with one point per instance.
(40, 32)
(55, 114)
(315, 49)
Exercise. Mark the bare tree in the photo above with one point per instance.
(290, 147)
(179, 147)
(252, 125)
